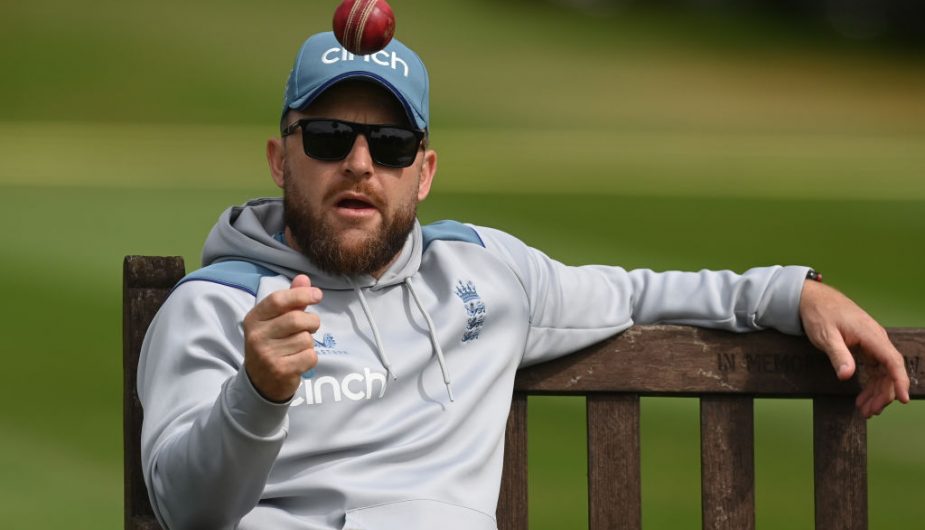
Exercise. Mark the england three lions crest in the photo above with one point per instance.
(475, 310)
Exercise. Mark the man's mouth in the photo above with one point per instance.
(354, 204)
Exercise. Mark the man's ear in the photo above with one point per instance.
(428, 170)
(276, 159)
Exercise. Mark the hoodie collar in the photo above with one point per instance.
(247, 232)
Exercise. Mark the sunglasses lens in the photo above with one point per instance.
(393, 146)
(327, 139)
(332, 140)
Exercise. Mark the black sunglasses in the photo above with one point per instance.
(332, 140)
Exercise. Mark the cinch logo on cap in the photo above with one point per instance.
(322, 62)
(382, 58)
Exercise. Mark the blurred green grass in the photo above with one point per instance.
(644, 139)
(522, 63)
(818, 165)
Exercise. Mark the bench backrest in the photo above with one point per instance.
(726, 371)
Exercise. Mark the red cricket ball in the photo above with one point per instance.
(364, 26)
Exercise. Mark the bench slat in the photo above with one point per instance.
(512, 501)
(727, 453)
(840, 464)
(614, 493)
(679, 361)
(146, 283)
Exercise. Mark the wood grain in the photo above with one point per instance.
(146, 283)
(614, 473)
(727, 469)
(687, 361)
(512, 501)
(840, 464)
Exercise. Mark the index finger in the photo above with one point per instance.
(883, 350)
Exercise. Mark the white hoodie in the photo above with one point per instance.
(401, 423)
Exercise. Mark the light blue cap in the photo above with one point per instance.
(323, 62)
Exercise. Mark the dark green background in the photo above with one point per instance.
(638, 137)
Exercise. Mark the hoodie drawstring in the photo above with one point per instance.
(433, 338)
(430, 327)
(372, 323)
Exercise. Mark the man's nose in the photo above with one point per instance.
(359, 161)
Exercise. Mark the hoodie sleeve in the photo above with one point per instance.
(209, 439)
(573, 307)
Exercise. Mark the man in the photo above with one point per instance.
(336, 365)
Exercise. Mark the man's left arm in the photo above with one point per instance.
(837, 326)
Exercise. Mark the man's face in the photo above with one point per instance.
(350, 216)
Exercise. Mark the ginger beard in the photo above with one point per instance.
(328, 248)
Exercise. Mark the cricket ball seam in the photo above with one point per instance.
(364, 18)
(350, 25)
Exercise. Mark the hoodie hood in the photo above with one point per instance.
(249, 232)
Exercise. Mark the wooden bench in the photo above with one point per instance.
(726, 371)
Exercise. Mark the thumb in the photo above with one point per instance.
(301, 280)
(839, 355)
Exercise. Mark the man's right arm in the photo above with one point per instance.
(209, 438)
